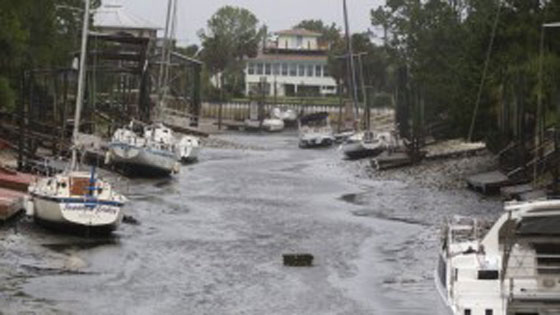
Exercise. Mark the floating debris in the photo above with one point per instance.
(128, 219)
(298, 260)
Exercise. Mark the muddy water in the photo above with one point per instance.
(211, 242)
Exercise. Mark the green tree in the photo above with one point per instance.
(232, 35)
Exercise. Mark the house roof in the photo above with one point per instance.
(299, 32)
(113, 15)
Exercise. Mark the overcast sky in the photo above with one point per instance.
(276, 14)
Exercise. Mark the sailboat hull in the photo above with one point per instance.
(77, 213)
(142, 161)
(358, 150)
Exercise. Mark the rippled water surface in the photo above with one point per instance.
(210, 241)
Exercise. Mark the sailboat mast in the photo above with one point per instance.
(350, 54)
(164, 56)
(81, 85)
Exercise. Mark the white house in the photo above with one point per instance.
(112, 18)
(294, 64)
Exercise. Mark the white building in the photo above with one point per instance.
(294, 64)
(112, 18)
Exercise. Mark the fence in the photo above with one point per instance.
(239, 111)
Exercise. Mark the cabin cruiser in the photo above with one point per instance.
(144, 150)
(509, 268)
(187, 148)
(315, 131)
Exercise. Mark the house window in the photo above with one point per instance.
(318, 71)
(299, 41)
(276, 68)
(310, 70)
(468, 311)
(489, 312)
(326, 71)
(293, 70)
(301, 70)
(267, 69)
(285, 69)
(259, 68)
(250, 68)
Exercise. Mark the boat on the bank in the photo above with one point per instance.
(144, 150)
(288, 116)
(267, 124)
(509, 268)
(366, 144)
(315, 131)
(188, 148)
(76, 199)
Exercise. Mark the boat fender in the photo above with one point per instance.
(28, 206)
(176, 168)
(108, 157)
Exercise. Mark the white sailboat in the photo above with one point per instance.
(513, 268)
(76, 199)
(152, 151)
(148, 152)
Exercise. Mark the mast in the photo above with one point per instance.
(81, 85)
(350, 54)
(164, 59)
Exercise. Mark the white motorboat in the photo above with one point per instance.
(367, 144)
(513, 268)
(315, 131)
(273, 124)
(286, 115)
(150, 152)
(187, 148)
(76, 199)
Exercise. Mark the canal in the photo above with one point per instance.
(210, 241)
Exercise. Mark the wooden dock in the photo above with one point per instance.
(453, 149)
(11, 203)
(491, 182)
(387, 161)
(13, 189)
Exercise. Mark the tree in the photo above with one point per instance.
(232, 35)
(330, 33)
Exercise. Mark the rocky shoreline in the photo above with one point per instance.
(445, 174)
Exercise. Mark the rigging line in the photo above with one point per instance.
(484, 72)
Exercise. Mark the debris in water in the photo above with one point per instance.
(298, 260)
(128, 219)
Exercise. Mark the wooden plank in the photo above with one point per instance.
(11, 203)
(489, 182)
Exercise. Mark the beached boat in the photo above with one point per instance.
(509, 268)
(144, 151)
(188, 148)
(364, 144)
(76, 199)
(289, 116)
(315, 131)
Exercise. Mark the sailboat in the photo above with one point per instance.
(148, 150)
(77, 199)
